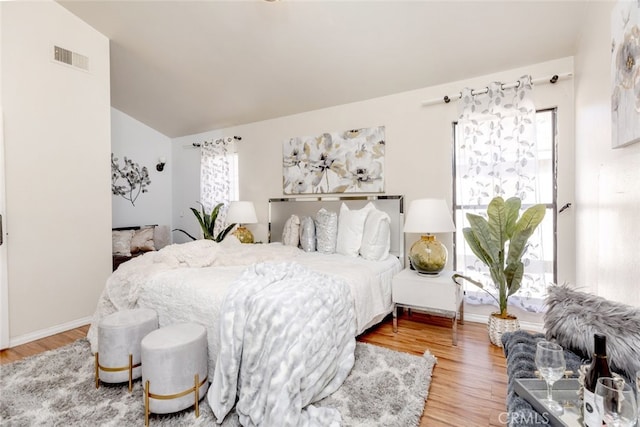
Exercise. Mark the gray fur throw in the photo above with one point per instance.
(573, 317)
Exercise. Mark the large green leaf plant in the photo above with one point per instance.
(208, 223)
(488, 238)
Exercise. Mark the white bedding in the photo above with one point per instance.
(187, 282)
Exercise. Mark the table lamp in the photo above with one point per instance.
(242, 213)
(426, 216)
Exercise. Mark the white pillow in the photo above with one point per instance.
(291, 232)
(351, 228)
(121, 242)
(326, 231)
(376, 238)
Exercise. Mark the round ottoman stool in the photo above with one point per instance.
(119, 335)
(174, 368)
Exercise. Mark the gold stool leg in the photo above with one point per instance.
(196, 382)
(130, 372)
(146, 403)
(97, 370)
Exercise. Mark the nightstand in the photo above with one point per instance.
(438, 295)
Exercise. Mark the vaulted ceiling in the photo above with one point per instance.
(185, 67)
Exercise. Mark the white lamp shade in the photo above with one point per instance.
(241, 213)
(429, 216)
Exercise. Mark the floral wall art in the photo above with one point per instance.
(128, 180)
(625, 73)
(351, 161)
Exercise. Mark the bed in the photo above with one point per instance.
(321, 299)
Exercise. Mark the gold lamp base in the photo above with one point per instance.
(428, 255)
(243, 234)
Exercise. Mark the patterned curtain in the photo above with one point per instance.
(496, 155)
(217, 169)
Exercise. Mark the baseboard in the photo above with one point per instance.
(482, 318)
(43, 333)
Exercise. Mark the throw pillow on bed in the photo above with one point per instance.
(142, 240)
(307, 234)
(376, 237)
(291, 232)
(121, 242)
(351, 229)
(326, 231)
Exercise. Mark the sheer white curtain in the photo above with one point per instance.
(496, 155)
(218, 176)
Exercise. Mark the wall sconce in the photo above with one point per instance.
(161, 162)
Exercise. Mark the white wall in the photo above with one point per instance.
(57, 141)
(608, 180)
(145, 146)
(418, 149)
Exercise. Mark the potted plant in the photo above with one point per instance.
(207, 224)
(487, 239)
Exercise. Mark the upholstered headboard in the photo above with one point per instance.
(280, 209)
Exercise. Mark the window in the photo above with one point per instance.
(218, 176)
(540, 258)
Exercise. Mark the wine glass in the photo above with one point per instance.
(616, 402)
(551, 365)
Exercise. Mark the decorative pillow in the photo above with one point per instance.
(142, 240)
(326, 231)
(351, 228)
(121, 242)
(376, 237)
(573, 317)
(307, 234)
(291, 231)
(161, 236)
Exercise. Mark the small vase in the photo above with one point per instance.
(497, 326)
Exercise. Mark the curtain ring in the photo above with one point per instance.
(554, 79)
(447, 99)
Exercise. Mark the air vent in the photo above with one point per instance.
(68, 57)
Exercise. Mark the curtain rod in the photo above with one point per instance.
(199, 144)
(542, 80)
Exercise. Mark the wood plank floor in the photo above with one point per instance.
(468, 387)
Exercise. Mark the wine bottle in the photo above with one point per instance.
(599, 368)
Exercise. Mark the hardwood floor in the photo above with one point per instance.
(20, 352)
(469, 382)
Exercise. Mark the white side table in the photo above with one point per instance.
(438, 295)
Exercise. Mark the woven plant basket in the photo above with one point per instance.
(497, 326)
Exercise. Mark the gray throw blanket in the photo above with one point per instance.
(286, 341)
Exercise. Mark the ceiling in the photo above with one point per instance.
(186, 67)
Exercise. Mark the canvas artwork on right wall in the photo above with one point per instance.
(625, 73)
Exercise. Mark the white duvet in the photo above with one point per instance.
(287, 340)
(188, 283)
